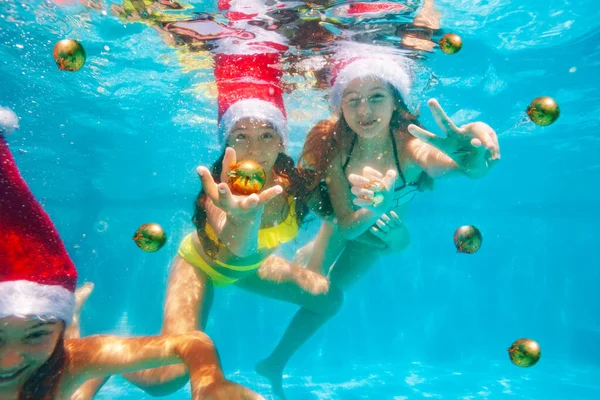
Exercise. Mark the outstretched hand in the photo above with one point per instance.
(372, 189)
(473, 146)
(390, 229)
(224, 199)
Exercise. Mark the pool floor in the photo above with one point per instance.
(410, 381)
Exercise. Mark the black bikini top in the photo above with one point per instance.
(412, 186)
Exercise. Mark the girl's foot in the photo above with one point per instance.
(81, 296)
(274, 374)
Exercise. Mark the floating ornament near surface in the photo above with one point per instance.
(467, 239)
(524, 353)
(150, 237)
(246, 178)
(69, 55)
(451, 43)
(543, 111)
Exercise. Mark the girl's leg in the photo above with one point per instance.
(89, 389)
(325, 249)
(353, 263)
(81, 295)
(279, 279)
(188, 302)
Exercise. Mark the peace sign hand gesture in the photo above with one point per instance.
(474, 146)
(245, 207)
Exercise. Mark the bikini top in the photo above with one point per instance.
(404, 192)
(273, 236)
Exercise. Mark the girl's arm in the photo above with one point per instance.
(100, 356)
(240, 234)
(470, 150)
(235, 219)
(89, 389)
(432, 161)
(351, 223)
(437, 164)
(428, 16)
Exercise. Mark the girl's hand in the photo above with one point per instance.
(227, 390)
(391, 231)
(474, 146)
(208, 382)
(373, 191)
(244, 207)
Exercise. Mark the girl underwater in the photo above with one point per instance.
(39, 359)
(235, 235)
(373, 160)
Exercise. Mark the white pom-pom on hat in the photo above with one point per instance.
(8, 121)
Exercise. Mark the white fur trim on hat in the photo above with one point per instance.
(253, 108)
(384, 68)
(25, 298)
(8, 121)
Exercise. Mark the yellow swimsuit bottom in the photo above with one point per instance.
(222, 274)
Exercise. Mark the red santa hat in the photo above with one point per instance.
(249, 87)
(37, 277)
(354, 60)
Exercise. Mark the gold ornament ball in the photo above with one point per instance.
(150, 237)
(69, 55)
(543, 111)
(524, 353)
(451, 43)
(246, 177)
(467, 239)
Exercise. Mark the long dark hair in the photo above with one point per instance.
(295, 184)
(43, 384)
(328, 137)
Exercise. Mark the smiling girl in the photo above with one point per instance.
(37, 301)
(373, 160)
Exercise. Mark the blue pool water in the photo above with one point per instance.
(116, 144)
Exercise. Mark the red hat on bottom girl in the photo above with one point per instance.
(37, 277)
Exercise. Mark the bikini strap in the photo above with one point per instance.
(349, 153)
(396, 158)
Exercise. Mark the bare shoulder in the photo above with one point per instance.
(334, 169)
(405, 141)
(407, 147)
(77, 357)
(80, 352)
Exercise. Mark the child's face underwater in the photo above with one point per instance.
(255, 139)
(25, 345)
(367, 106)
